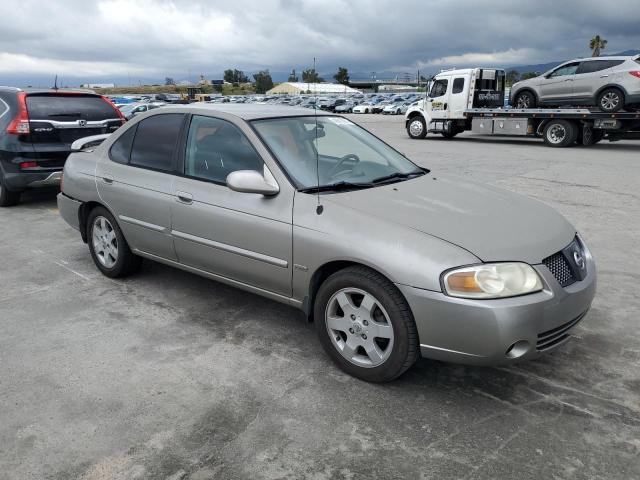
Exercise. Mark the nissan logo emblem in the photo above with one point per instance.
(579, 259)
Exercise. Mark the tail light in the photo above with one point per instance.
(635, 73)
(120, 115)
(20, 124)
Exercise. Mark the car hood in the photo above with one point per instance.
(491, 223)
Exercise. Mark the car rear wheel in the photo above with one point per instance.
(416, 127)
(365, 325)
(526, 99)
(109, 249)
(7, 197)
(560, 133)
(610, 100)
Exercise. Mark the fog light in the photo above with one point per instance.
(518, 349)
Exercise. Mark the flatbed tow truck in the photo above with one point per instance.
(473, 100)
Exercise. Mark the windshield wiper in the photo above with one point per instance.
(332, 187)
(396, 176)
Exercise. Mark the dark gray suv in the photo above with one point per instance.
(610, 83)
(37, 127)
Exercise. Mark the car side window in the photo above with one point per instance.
(592, 66)
(120, 151)
(458, 85)
(155, 142)
(569, 69)
(439, 88)
(215, 148)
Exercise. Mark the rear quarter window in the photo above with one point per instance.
(67, 108)
(120, 151)
(4, 110)
(458, 85)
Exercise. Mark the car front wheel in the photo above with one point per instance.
(365, 325)
(109, 249)
(525, 100)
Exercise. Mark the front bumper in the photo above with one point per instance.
(481, 332)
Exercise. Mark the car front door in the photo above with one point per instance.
(558, 85)
(243, 237)
(135, 182)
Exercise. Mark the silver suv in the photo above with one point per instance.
(610, 83)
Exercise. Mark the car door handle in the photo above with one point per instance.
(106, 178)
(184, 197)
(604, 76)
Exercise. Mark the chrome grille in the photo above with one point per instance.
(559, 267)
(557, 335)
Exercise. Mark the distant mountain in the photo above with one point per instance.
(543, 67)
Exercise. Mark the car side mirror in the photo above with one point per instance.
(252, 181)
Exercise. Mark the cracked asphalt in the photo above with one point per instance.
(166, 375)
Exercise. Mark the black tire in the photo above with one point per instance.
(8, 198)
(610, 100)
(525, 99)
(126, 262)
(405, 349)
(450, 135)
(366, 110)
(416, 127)
(589, 136)
(560, 133)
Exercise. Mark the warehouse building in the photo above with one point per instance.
(296, 88)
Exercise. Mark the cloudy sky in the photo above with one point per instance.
(151, 39)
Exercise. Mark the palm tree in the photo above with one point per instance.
(596, 44)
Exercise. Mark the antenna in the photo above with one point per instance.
(319, 208)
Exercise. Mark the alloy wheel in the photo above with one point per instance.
(359, 327)
(610, 101)
(105, 242)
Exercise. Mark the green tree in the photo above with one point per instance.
(596, 44)
(292, 76)
(235, 76)
(512, 77)
(263, 81)
(311, 76)
(527, 75)
(342, 76)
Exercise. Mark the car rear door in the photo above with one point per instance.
(558, 85)
(591, 76)
(136, 180)
(58, 119)
(243, 237)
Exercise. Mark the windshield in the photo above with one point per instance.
(345, 151)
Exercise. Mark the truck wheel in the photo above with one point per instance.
(526, 99)
(560, 133)
(449, 135)
(610, 100)
(588, 136)
(416, 127)
(365, 325)
(7, 197)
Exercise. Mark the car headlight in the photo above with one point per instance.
(492, 280)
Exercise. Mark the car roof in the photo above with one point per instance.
(48, 90)
(604, 57)
(249, 111)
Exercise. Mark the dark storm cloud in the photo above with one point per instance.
(157, 38)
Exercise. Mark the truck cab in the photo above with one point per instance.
(449, 94)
